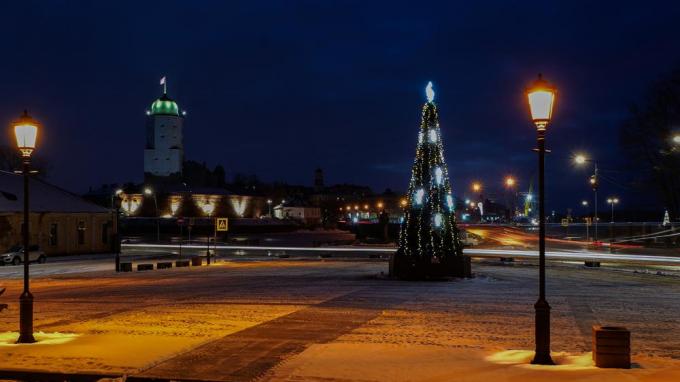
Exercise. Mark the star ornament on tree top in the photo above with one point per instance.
(429, 92)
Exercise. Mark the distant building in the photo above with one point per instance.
(164, 152)
(61, 222)
(306, 214)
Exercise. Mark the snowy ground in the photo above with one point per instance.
(340, 321)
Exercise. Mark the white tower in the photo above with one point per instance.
(164, 153)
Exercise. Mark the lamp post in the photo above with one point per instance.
(584, 203)
(612, 201)
(541, 97)
(510, 183)
(209, 208)
(269, 202)
(581, 159)
(26, 131)
(148, 191)
(115, 209)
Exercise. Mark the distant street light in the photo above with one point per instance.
(510, 183)
(26, 132)
(581, 159)
(584, 203)
(476, 187)
(116, 197)
(613, 201)
(541, 97)
(149, 191)
(269, 202)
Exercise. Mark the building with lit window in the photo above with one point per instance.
(61, 222)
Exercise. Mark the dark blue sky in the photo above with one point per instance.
(279, 88)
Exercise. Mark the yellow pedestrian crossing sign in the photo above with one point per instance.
(222, 225)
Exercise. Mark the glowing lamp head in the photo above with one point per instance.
(676, 139)
(429, 92)
(541, 96)
(148, 191)
(510, 182)
(476, 187)
(584, 203)
(26, 132)
(580, 159)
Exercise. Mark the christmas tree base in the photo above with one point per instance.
(416, 268)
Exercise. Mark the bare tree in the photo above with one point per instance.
(647, 139)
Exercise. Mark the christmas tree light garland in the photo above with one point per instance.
(428, 229)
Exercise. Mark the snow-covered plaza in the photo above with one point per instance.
(290, 320)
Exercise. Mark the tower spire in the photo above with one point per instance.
(164, 82)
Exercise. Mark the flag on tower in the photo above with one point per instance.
(163, 80)
(165, 85)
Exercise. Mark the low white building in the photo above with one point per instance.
(308, 215)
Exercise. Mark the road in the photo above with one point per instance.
(140, 253)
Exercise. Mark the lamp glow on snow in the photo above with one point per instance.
(541, 96)
(26, 132)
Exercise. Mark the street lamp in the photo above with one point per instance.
(115, 209)
(269, 202)
(541, 97)
(148, 191)
(476, 186)
(209, 208)
(612, 201)
(581, 159)
(26, 132)
(510, 183)
(585, 204)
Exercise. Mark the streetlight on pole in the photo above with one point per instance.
(612, 201)
(26, 132)
(510, 183)
(581, 159)
(149, 191)
(269, 202)
(541, 97)
(584, 203)
(115, 207)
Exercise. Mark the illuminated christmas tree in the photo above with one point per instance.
(429, 242)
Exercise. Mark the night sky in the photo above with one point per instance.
(280, 88)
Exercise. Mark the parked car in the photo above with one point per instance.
(15, 255)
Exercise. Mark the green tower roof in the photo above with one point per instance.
(164, 106)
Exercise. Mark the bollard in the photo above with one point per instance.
(611, 347)
(125, 267)
(182, 263)
(144, 267)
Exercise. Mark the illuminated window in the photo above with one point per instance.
(54, 234)
(81, 232)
